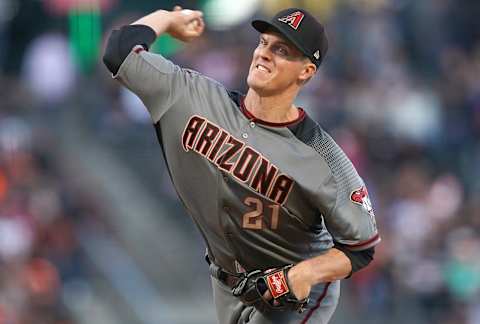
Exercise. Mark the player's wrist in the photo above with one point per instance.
(300, 280)
(301, 271)
(171, 22)
(160, 21)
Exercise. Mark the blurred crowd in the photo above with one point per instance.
(399, 91)
(39, 254)
(42, 207)
(40, 210)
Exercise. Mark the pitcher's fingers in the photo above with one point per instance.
(198, 26)
(177, 8)
(267, 295)
(201, 25)
(193, 14)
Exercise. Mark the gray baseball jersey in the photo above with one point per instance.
(262, 194)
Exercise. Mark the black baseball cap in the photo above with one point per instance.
(302, 29)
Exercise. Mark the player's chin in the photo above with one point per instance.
(263, 90)
(256, 83)
(258, 87)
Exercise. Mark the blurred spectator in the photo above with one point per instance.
(48, 55)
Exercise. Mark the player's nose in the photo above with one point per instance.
(264, 53)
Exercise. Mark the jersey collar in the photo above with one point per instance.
(250, 116)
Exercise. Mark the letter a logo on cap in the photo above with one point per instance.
(293, 19)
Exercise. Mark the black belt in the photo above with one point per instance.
(223, 276)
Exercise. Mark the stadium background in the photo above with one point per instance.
(91, 230)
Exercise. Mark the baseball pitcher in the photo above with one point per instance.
(282, 210)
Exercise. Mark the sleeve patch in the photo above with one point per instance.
(360, 197)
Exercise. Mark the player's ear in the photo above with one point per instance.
(307, 72)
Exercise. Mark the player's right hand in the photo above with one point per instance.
(185, 24)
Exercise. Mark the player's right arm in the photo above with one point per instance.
(184, 25)
(157, 81)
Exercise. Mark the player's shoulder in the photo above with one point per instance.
(309, 132)
(316, 137)
(235, 96)
(196, 74)
(158, 62)
(206, 84)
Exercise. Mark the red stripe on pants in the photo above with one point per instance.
(317, 305)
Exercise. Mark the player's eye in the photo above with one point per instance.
(281, 50)
(262, 41)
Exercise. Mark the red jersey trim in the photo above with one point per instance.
(138, 48)
(249, 115)
(365, 244)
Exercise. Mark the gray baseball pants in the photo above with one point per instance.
(230, 310)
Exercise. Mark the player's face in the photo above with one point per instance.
(277, 65)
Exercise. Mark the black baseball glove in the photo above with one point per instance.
(253, 285)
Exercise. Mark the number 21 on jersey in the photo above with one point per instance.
(255, 219)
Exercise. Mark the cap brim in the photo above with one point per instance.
(262, 26)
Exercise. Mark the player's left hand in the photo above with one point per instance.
(270, 288)
(298, 283)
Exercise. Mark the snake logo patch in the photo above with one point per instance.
(360, 196)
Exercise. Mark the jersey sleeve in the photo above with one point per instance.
(155, 80)
(121, 41)
(343, 200)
